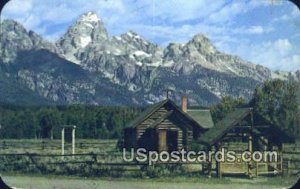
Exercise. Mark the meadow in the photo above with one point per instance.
(98, 164)
(37, 182)
(47, 146)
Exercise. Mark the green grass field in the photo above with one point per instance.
(67, 175)
(33, 182)
(54, 146)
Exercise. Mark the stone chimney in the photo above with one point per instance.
(184, 103)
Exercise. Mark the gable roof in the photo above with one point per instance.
(203, 117)
(145, 114)
(161, 119)
(215, 133)
(230, 121)
(276, 131)
(165, 116)
(149, 111)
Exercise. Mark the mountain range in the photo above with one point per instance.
(87, 66)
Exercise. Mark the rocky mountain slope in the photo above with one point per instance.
(87, 66)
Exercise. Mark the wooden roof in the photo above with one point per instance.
(145, 114)
(149, 111)
(203, 117)
(161, 119)
(231, 120)
(215, 133)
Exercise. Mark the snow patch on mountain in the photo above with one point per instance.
(85, 40)
(141, 53)
(90, 17)
(139, 63)
(141, 70)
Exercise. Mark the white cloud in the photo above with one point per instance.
(172, 20)
(292, 14)
(14, 9)
(228, 11)
(296, 60)
(279, 54)
(290, 63)
(178, 10)
(41, 16)
(283, 46)
(256, 29)
(62, 13)
(120, 15)
(264, 3)
(295, 12)
(32, 21)
(234, 9)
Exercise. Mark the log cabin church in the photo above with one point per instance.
(165, 127)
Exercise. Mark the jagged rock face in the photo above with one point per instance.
(200, 44)
(134, 41)
(88, 29)
(200, 51)
(14, 38)
(86, 66)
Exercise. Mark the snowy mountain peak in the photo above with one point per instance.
(88, 29)
(200, 38)
(89, 17)
(134, 69)
(131, 34)
(136, 41)
(202, 44)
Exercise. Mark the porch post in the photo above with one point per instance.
(209, 162)
(250, 150)
(281, 157)
(73, 141)
(251, 164)
(218, 163)
(63, 142)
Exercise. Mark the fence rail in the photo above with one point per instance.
(50, 144)
(46, 153)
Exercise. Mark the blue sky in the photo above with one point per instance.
(265, 32)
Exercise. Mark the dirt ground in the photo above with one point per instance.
(36, 182)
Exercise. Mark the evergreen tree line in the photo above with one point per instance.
(276, 100)
(46, 122)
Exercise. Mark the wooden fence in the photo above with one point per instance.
(110, 159)
(6, 144)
